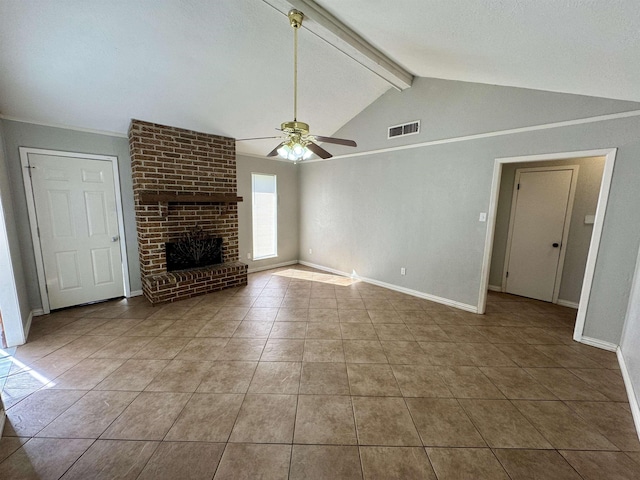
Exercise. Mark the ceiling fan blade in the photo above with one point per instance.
(337, 141)
(274, 152)
(257, 138)
(318, 150)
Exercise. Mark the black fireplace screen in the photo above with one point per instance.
(194, 250)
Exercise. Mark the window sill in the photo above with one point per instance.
(257, 259)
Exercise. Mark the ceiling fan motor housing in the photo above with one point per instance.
(300, 128)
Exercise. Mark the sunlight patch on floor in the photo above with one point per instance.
(20, 368)
(318, 277)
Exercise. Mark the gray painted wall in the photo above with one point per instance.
(14, 300)
(419, 207)
(630, 344)
(577, 248)
(287, 185)
(19, 134)
(448, 109)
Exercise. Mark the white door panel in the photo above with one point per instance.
(102, 263)
(67, 271)
(54, 174)
(541, 206)
(60, 219)
(75, 206)
(96, 208)
(92, 176)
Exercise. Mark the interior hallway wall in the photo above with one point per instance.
(630, 345)
(14, 300)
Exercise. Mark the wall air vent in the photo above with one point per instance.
(410, 128)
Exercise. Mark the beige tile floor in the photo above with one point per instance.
(303, 375)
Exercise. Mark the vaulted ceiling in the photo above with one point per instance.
(225, 66)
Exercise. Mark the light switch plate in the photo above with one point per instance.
(483, 217)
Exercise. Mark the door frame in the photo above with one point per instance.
(33, 219)
(594, 245)
(565, 227)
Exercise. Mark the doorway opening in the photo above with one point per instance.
(572, 285)
(538, 228)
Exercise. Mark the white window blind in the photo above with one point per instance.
(265, 215)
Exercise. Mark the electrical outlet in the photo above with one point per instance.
(310, 251)
(403, 271)
(483, 217)
(249, 256)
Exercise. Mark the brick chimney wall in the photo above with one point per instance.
(176, 161)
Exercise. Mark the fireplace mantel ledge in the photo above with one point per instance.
(151, 198)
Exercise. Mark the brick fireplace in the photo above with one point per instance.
(183, 180)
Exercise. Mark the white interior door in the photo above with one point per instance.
(77, 219)
(539, 225)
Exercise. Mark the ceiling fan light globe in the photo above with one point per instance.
(298, 149)
(284, 151)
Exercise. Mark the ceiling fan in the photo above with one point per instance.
(298, 143)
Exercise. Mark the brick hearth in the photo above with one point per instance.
(174, 161)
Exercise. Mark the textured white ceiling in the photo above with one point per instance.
(225, 66)
(587, 47)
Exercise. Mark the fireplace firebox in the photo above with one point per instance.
(195, 249)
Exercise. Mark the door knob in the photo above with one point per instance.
(117, 237)
(555, 245)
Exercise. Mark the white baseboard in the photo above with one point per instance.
(327, 269)
(135, 293)
(594, 342)
(633, 399)
(27, 326)
(495, 288)
(397, 288)
(269, 267)
(567, 303)
(36, 312)
(22, 339)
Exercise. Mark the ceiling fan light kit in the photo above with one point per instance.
(299, 144)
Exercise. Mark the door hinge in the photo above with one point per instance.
(518, 186)
(38, 229)
(507, 274)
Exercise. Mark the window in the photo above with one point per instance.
(265, 215)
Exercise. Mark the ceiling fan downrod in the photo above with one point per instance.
(295, 20)
(299, 144)
(295, 127)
